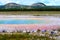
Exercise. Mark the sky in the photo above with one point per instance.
(29, 2)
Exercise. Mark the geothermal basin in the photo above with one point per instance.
(12, 23)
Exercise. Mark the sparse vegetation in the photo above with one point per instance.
(35, 13)
(22, 36)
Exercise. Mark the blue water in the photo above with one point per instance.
(22, 21)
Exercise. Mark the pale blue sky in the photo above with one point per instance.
(29, 2)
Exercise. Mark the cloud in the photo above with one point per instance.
(5, 1)
(29, 2)
(52, 2)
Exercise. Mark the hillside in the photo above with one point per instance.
(33, 7)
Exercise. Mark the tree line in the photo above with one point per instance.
(45, 8)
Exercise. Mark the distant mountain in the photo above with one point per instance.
(38, 4)
(12, 5)
(2, 6)
(19, 6)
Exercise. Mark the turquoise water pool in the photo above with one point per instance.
(22, 21)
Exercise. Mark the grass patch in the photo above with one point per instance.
(38, 13)
(22, 37)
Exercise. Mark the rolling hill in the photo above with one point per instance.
(33, 7)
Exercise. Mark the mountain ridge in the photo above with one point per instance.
(14, 5)
(33, 7)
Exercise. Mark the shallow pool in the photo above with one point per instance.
(21, 21)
